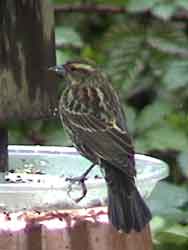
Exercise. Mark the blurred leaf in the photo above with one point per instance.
(167, 199)
(183, 162)
(176, 74)
(176, 234)
(63, 56)
(92, 54)
(57, 138)
(164, 10)
(36, 125)
(157, 223)
(171, 246)
(166, 137)
(90, 1)
(168, 38)
(167, 46)
(67, 36)
(108, 2)
(182, 3)
(141, 144)
(16, 137)
(152, 114)
(131, 116)
(168, 235)
(179, 119)
(141, 5)
(125, 51)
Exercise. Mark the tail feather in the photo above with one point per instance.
(126, 208)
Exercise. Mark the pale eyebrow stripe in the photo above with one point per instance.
(83, 66)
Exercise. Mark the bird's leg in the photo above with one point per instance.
(81, 180)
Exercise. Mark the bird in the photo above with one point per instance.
(91, 112)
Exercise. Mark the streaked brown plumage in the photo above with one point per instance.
(91, 111)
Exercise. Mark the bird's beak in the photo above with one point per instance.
(59, 70)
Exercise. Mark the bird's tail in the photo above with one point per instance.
(126, 208)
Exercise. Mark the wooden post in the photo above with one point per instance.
(87, 233)
(3, 149)
(34, 237)
(74, 233)
(27, 49)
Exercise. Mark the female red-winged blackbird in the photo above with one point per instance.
(91, 111)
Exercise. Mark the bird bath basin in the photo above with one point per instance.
(37, 213)
(38, 173)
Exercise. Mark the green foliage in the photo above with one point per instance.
(167, 204)
(157, 112)
(125, 49)
(163, 9)
(175, 237)
(143, 56)
(134, 5)
(165, 137)
(174, 198)
(176, 75)
(67, 37)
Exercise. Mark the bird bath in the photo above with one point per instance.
(47, 187)
(36, 213)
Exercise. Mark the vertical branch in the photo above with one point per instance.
(3, 149)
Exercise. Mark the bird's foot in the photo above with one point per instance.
(81, 181)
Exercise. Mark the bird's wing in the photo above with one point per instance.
(106, 140)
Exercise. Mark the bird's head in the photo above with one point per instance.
(76, 71)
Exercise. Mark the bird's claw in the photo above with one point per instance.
(81, 181)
